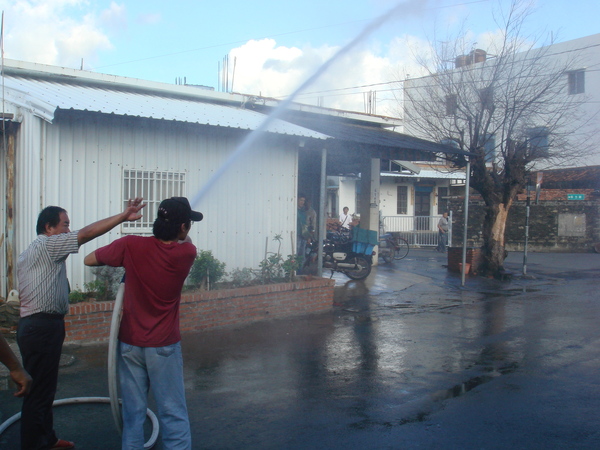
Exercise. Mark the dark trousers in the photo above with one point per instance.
(40, 338)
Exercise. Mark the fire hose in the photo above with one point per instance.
(113, 393)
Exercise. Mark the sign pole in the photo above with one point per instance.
(526, 230)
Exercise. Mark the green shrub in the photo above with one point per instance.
(106, 284)
(242, 277)
(274, 268)
(207, 270)
(77, 297)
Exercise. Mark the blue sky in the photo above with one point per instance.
(276, 45)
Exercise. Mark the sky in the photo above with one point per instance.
(270, 47)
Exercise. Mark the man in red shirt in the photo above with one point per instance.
(149, 339)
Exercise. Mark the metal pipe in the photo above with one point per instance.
(466, 222)
(526, 230)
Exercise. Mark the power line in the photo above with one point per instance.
(272, 36)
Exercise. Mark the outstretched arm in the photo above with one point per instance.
(130, 214)
(17, 373)
(90, 259)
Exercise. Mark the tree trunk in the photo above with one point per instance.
(494, 226)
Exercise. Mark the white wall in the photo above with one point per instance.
(347, 195)
(583, 53)
(79, 166)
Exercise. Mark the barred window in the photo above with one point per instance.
(486, 97)
(451, 104)
(576, 82)
(402, 201)
(153, 186)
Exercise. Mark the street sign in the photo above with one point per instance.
(575, 196)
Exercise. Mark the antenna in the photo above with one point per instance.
(2, 73)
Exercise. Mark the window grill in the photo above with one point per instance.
(153, 187)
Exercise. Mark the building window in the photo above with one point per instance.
(154, 187)
(486, 97)
(576, 82)
(538, 142)
(442, 205)
(489, 148)
(402, 200)
(451, 104)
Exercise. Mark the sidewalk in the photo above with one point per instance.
(407, 359)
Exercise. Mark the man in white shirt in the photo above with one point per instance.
(345, 219)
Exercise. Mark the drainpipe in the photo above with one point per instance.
(466, 220)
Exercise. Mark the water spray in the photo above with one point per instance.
(279, 110)
(239, 151)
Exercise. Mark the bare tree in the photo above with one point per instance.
(508, 106)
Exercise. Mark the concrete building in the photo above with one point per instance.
(474, 79)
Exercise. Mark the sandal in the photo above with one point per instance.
(62, 444)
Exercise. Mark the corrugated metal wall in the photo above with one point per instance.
(78, 161)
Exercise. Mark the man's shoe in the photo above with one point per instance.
(62, 444)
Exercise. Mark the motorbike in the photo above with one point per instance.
(338, 256)
(392, 248)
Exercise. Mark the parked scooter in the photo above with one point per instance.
(338, 256)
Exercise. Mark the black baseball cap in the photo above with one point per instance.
(178, 209)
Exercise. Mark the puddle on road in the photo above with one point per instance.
(434, 401)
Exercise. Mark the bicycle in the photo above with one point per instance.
(392, 247)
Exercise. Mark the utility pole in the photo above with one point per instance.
(528, 203)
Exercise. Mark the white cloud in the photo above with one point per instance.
(45, 32)
(150, 18)
(264, 68)
(114, 17)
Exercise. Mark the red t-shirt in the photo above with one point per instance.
(154, 275)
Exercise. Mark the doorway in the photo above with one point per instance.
(422, 209)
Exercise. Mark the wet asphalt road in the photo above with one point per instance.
(406, 359)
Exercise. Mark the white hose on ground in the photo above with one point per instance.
(69, 401)
(112, 381)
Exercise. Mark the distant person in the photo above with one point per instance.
(345, 219)
(149, 354)
(311, 219)
(301, 229)
(443, 227)
(44, 295)
(17, 373)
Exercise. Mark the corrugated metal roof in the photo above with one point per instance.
(428, 173)
(43, 97)
(368, 135)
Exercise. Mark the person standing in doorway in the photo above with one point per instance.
(149, 355)
(301, 229)
(443, 227)
(311, 219)
(44, 295)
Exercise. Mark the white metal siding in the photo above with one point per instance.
(83, 169)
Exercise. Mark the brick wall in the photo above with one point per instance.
(543, 222)
(90, 322)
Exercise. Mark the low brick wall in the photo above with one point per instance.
(90, 322)
(473, 257)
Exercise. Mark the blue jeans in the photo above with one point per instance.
(160, 370)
